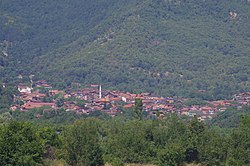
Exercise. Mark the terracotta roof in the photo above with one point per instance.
(128, 106)
(31, 105)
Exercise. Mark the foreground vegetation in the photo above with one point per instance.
(93, 142)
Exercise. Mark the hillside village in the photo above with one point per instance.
(94, 98)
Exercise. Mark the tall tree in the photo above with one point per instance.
(196, 130)
(82, 143)
(138, 109)
(20, 145)
(239, 150)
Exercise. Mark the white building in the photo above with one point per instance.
(24, 89)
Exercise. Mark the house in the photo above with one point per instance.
(206, 108)
(124, 99)
(32, 105)
(47, 86)
(24, 89)
(128, 106)
(26, 98)
(31, 96)
(97, 108)
(13, 108)
(233, 15)
(222, 109)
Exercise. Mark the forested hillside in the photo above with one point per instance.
(168, 47)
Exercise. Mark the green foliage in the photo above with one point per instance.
(60, 102)
(138, 109)
(239, 151)
(49, 136)
(230, 118)
(196, 130)
(6, 96)
(212, 148)
(47, 116)
(20, 145)
(130, 142)
(82, 143)
(47, 99)
(5, 117)
(172, 155)
(114, 161)
(195, 101)
(117, 141)
(55, 163)
(81, 103)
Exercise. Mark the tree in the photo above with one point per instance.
(60, 102)
(6, 96)
(82, 143)
(138, 108)
(50, 140)
(196, 130)
(5, 117)
(172, 155)
(130, 142)
(239, 150)
(20, 145)
(81, 103)
(212, 148)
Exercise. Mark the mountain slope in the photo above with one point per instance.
(164, 47)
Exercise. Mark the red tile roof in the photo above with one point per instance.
(31, 105)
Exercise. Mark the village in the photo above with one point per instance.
(94, 98)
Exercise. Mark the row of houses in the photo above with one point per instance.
(114, 102)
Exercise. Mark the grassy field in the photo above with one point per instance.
(155, 165)
(140, 165)
(63, 163)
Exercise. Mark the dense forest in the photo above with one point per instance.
(169, 48)
(94, 142)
